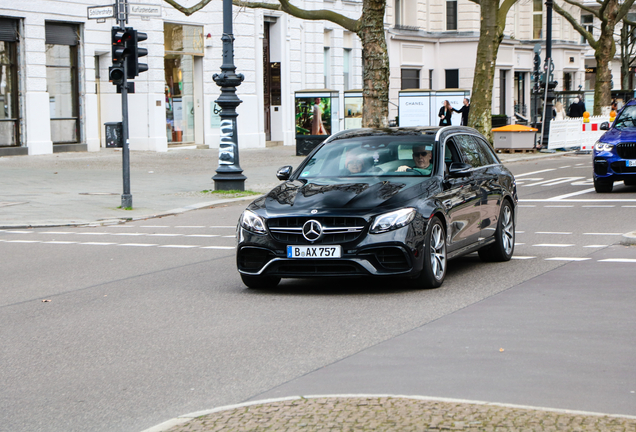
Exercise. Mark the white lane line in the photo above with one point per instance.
(137, 244)
(579, 164)
(224, 226)
(535, 172)
(519, 232)
(155, 226)
(119, 226)
(18, 232)
(553, 232)
(519, 244)
(127, 234)
(628, 206)
(566, 259)
(619, 260)
(552, 245)
(596, 246)
(97, 243)
(190, 226)
(221, 247)
(59, 242)
(604, 234)
(96, 233)
(179, 246)
(553, 182)
(20, 241)
(566, 166)
(57, 232)
(202, 235)
(560, 197)
(624, 200)
(232, 236)
(165, 235)
(598, 206)
(557, 206)
(520, 257)
(520, 205)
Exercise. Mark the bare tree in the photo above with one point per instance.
(628, 50)
(609, 14)
(369, 28)
(493, 23)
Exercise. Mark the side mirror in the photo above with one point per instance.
(604, 126)
(284, 172)
(459, 169)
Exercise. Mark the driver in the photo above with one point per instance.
(422, 158)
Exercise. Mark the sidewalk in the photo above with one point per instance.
(85, 188)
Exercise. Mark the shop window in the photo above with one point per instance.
(62, 81)
(9, 110)
(183, 43)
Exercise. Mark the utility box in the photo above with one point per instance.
(514, 137)
(114, 135)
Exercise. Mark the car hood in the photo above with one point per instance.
(300, 197)
(615, 136)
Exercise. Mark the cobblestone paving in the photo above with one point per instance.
(396, 414)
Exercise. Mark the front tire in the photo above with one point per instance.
(260, 282)
(435, 262)
(603, 186)
(504, 245)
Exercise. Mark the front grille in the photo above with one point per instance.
(600, 166)
(620, 167)
(626, 150)
(390, 258)
(253, 259)
(336, 230)
(301, 269)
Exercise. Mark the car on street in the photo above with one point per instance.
(615, 152)
(387, 203)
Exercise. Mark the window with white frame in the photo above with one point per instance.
(537, 19)
(346, 67)
(586, 22)
(410, 79)
(451, 14)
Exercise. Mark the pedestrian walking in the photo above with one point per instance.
(582, 108)
(464, 112)
(445, 113)
(575, 109)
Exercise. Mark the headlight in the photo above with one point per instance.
(253, 222)
(393, 220)
(599, 146)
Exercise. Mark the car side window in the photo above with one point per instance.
(487, 155)
(451, 154)
(470, 150)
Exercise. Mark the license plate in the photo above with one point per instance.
(631, 163)
(333, 251)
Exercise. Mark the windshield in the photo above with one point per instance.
(627, 118)
(375, 156)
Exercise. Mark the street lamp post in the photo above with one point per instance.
(229, 175)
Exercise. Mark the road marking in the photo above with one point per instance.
(57, 232)
(96, 233)
(190, 226)
(553, 182)
(179, 246)
(566, 259)
(560, 197)
(119, 226)
(557, 206)
(566, 166)
(127, 234)
(519, 244)
(553, 232)
(165, 235)
(218, 247)
(97, 243)
(619, 260)
(224, 226)
(519, 257)
(137, 244)
(598, 206)
(535, 172)
(579, 164)
(629, 206)
(526, 205)
(232, 236)
(59, 242)
(202, 235)
(596, 246)
(519, 232)
(19, 241)
(604, 234)
(552, 245)
(155, 226)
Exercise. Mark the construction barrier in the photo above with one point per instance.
(574, 133)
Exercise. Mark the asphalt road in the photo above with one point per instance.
(119, 328)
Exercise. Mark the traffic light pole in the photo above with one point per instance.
(126, 197)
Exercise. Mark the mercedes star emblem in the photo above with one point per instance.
(312, 230)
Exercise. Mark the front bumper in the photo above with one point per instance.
(395, 253)
(610, 166)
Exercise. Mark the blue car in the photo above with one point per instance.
(615, 151)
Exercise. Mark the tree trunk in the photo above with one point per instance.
(604, 54)
(375, 61)
(480, 115)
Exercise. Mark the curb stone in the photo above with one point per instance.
(629, 239)
(464, 415)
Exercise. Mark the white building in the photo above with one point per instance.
(56, 95)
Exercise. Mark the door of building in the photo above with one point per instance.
(267, 84)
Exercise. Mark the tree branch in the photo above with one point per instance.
(577, 26)
(314, 15)
(585, 8)
(624, 9)
(503, 11)
(188, 11)
(476, 2)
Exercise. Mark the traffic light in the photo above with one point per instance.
(132, 61)
(120, 51)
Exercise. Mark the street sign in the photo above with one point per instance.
(144, 10)
(100, 12)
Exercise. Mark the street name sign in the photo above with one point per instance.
(144, 10)
(100, 12)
